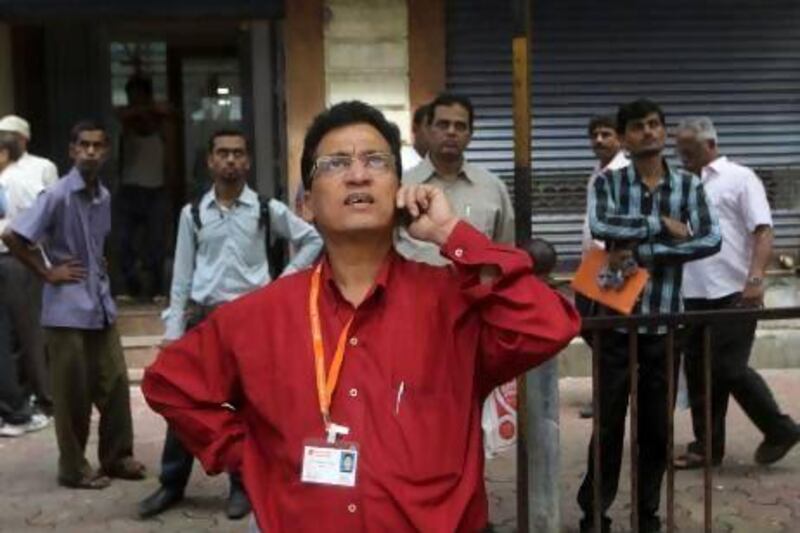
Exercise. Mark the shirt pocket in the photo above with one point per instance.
(431, 433)
(482, 217)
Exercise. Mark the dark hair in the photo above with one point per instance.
(421, 114)
(341, 115)
(543, 254)
(139, 83)
(10, 143)
(86, 125)
(601, 121)
(448, 99)
(229, 132)
(636, 110)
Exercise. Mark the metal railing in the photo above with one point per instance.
(595, 326)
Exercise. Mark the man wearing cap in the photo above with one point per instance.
(16, 416)
(29, 176)
(42, 170)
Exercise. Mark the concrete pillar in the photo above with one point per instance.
(366, 56)
(305, 77)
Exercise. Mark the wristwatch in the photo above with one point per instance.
(755, 281)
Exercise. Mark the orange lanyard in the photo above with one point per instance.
(325, 386)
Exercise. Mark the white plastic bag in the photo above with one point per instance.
(499, 420)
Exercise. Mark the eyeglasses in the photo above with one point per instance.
(374, 163)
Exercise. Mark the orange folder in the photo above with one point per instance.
(621, 300)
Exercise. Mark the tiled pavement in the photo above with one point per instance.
(747, 498)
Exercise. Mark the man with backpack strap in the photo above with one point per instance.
(222, 253)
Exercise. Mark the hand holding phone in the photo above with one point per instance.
(429, 214)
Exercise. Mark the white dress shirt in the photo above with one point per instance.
(618, 161)
(39, 169)
(738, 197)
(21, 191)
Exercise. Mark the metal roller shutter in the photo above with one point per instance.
(736, 61)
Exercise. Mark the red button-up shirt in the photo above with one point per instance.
(438, 332)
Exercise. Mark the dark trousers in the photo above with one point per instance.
(142, 209)
(176, 460)
(87, 367)
(731, 344)
(176, 465)
(24, 300)
(14, 407)
(614, 389)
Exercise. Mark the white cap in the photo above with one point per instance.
(16, 124)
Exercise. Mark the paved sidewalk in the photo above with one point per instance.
(747, 498)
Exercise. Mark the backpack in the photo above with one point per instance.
(276, 249)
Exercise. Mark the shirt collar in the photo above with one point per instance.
(381, 281)
(247, 197)
(75, 183)
(715, 167)
(429, 171)
(668, 177)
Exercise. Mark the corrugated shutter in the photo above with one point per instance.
(737, 61)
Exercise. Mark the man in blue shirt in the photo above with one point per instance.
(221, 254)
(87, 367)
(659, 218)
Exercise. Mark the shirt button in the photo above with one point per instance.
(353, 341)
(459, 252)
(353, 393)
(352, 508)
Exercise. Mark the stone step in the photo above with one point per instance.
(774, 348)
(140, 351)
(134, 321)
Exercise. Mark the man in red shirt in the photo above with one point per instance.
(349, 394)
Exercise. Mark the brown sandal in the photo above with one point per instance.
(128, 468)
(92, 481)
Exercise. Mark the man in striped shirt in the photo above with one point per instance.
(659, 217)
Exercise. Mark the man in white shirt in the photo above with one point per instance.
(16, 417)
(38, 169)
(24, 180)
(607, 147)
(732, 278)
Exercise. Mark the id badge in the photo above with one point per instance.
(330, 464)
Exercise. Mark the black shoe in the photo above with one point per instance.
(587, 525)
(772, 450)
(238, 503)
(159, 501)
